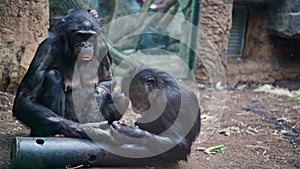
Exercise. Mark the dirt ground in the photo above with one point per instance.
(258, 130)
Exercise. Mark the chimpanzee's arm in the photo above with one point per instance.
(113, 104)
(41, 120)
(29, 107)
(179, 146)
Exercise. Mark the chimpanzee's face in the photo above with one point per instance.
(139, 91)
(79, 30)
(82, 44)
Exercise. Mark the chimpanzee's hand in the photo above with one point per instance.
(130, 131)
(99, 135)
(110, 85)
(101, 125)
(93, 12)
(103, 89)
(112, 105)
(82, 130)
(121, 103)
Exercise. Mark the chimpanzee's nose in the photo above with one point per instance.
(85, 44)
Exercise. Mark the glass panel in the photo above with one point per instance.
(158, 37)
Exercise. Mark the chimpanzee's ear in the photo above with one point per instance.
(70, 11)
(59, 19)
(150, 83)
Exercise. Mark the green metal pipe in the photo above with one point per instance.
(53, 152)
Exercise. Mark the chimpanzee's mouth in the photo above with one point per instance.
(136, 110)
(86, 57)
(86, 54)
(139, 109)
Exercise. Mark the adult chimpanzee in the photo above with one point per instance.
(168, 109)
(44, 100)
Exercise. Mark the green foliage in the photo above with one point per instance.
(212, 150)
(297, 96)
(215, 149)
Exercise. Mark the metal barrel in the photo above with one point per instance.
(52, 152)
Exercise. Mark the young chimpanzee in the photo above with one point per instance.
(169, 111)
(72, 64)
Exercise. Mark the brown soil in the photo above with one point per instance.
(264, 133)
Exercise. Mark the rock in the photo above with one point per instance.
(23, 25)
(254, 1)
(297, 163)
(284, 19)
(214, 25)
(265, 58)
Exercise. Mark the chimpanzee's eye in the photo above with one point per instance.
(150, 81)
(93, 39)
(82, 36)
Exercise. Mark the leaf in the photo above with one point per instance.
(76, 167)
(219, 86)
(215, 149)
(226, 132)
(297, 96)
(211, 150)
(203, 116)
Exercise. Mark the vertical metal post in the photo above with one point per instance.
(193, 39)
